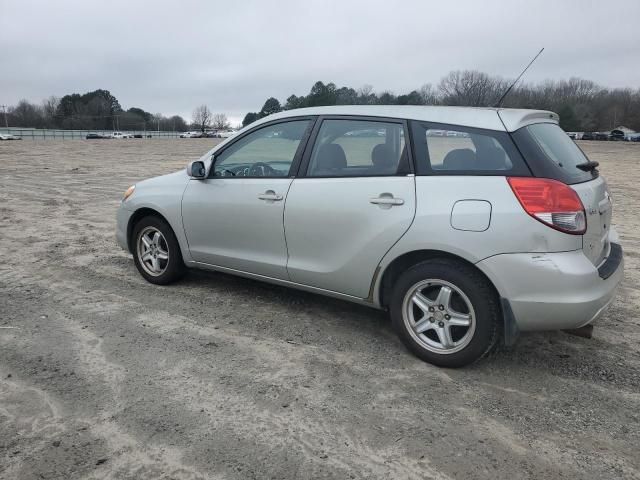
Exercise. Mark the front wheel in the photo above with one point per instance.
(445, 312)
(156, 251)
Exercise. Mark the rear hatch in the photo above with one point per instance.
(550, 153)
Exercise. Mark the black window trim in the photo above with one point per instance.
(303, 168)
(295, 164)
(511, 144)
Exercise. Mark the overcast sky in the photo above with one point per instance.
(169, 57)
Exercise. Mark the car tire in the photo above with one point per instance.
(156, 251)
(454, 334)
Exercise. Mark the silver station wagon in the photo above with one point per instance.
(468, 225)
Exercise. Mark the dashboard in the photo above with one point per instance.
(258, 169)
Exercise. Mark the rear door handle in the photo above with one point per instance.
(386, 200)
(270, 195)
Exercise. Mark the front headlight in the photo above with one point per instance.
(129, 192)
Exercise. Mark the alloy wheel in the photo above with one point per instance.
(439, 316)
(152, 251)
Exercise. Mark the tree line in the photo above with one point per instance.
(583, 105)
(97, 110)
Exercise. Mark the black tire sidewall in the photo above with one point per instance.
(175, 267)
(481, 295)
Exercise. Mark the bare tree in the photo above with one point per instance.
(429, 95)
(366, 95)
(26, 114)
(49, 107)
(220, 121)
(201, 117)
(471, 88)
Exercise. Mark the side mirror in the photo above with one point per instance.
(196, 170)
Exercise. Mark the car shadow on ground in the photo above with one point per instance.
(534, 353)
(530, 349)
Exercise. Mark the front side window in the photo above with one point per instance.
(449, 150)
(357, 148)
(267, 152)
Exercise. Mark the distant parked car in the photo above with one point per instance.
(138, 135)
(600, 136)
(191, 135)
(633, 137)
(121, 135)
(435, 133)
(95, 136)
(588, 136)
(227, 134)
(616, 136)
(8, 136)
(572, 135)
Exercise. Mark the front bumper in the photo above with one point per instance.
(122, 222)
(553, 291)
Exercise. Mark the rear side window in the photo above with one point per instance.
(358, 148)
(453, 150)
(552, 154)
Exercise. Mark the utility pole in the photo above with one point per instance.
(4, 109)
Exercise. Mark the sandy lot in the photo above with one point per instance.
(103, 375)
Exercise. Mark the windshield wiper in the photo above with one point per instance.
(589, 166)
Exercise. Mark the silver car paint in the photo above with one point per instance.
(513, 118)
(163, 194)
(597, 203)
(512, 244)
(336, 236)
(510, 230)
(549, 291)
(229, 225)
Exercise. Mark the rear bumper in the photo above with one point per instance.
(552, 291)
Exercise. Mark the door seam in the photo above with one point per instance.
(284, 227)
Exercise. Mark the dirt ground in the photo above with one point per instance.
(103, 375)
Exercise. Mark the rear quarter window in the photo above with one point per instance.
(550, 153)
(454, 150)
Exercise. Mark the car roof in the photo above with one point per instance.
(502, 119)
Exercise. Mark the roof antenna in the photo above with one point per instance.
(504, 95)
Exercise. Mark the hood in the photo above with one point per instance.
(171, 179)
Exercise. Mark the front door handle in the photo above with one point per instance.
(270, 195)
(386, 200)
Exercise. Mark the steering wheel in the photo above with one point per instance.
(261, 169)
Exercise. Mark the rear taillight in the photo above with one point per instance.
(550, 202)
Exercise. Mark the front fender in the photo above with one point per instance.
(163, 198)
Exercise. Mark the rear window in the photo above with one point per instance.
(454, 150)
(550, 153)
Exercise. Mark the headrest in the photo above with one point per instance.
(460, 159)
(382, 156)
(331, 157)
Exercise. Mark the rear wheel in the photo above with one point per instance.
(445, 312)
(156, 251)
